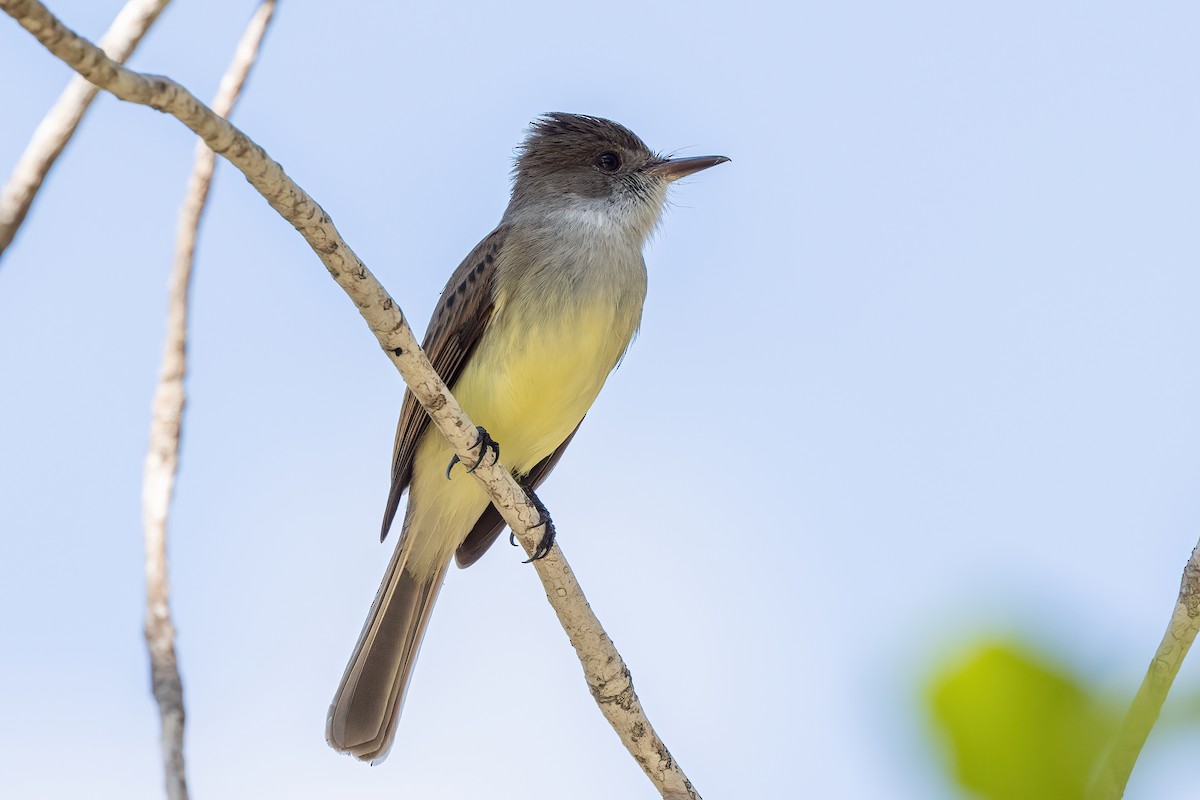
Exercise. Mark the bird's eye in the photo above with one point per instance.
(609, 162)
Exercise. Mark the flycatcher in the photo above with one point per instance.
(525, 334)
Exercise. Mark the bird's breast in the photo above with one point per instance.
(546, 355)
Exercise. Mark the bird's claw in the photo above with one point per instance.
(485, 442)
(548, 532)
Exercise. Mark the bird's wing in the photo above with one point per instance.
(462, 315)
(490, 523)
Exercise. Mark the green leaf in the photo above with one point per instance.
(1017, 727)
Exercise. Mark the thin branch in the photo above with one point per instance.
(1148, 702)
(162, 457)
(606, 673)
(59, 125)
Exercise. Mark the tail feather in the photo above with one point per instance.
(362, 718)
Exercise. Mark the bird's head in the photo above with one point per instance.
(592, 168)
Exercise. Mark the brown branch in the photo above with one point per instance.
(605, 671)
(59, 125)
(1148, 702)
(162, 458)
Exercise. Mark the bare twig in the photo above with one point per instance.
(605, 672)
(64, 117)
(1148, 702)
(162, 457)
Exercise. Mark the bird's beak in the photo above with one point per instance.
(672, 169)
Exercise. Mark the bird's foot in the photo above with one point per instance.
(544, 521)
(485, 442)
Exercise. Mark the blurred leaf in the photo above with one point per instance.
(1018, 728)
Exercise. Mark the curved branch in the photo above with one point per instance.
(605, 671)
(162, 456)
(1148, 702)
(59, 125)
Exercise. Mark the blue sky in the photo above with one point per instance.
(917, 367)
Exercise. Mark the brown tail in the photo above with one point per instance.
(363, 716)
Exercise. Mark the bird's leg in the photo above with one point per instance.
(485, 442)
(544, 521)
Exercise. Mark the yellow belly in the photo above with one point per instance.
(529, 386)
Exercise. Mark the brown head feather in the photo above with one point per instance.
(561, 155)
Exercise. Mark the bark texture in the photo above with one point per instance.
(1148, 702)
(59, 125)
(162, 457)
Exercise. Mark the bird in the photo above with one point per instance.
(525, 334)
